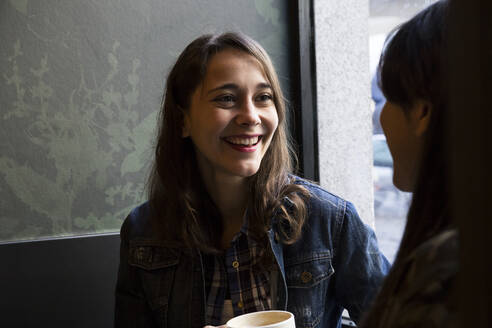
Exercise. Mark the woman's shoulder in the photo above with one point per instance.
(425, 292)
(137, 224)
(436, 259)
(320, 197)
(432, 264)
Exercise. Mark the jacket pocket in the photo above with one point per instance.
(150, 255)
(309, 270)
(307, 277)
(157, 265)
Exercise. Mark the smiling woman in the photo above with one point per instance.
(232, 117)
(228, 229)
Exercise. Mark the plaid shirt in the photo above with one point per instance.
(234, 275)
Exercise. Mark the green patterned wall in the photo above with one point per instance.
(80, 87)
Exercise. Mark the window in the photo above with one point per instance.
(81, 85)
(390, 204)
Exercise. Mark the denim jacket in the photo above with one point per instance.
(336, 264)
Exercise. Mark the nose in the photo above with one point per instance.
(248, 114)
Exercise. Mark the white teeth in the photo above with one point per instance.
(242, 141)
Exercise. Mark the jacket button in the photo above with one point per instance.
(306, 277)
(240, 304)
(235, 264)
(140, 253)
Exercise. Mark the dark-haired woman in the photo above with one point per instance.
(227, 228)
(417, 291)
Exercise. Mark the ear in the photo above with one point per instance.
(421, 115)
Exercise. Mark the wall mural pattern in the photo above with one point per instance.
(80, 87)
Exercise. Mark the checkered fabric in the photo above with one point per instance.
(235, 275)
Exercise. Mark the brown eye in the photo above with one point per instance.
(264, 98)
(226, 100)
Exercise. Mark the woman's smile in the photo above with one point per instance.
(243, 143)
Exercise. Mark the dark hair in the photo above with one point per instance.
(181, 207)
(411, 69)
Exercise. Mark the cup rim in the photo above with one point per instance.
(245, 315)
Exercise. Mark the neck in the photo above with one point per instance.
(230, 194)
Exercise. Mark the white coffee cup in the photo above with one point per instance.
(263, 319)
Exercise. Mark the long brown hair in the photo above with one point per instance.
(181, 208)
(411, 68)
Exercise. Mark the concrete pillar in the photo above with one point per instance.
(343, 101)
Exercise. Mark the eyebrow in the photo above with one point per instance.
(236, 87)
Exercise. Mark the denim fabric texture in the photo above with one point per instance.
(336, 264)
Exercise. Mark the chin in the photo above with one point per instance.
(247, 174)
(246, 171)
(402, 184)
